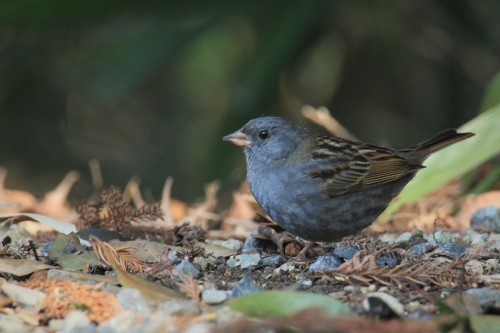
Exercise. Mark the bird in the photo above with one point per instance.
(324, 188)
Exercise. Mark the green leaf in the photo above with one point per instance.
(77, 261)
(485, 323)
(456, 160)
(492, 96)
(286, 303)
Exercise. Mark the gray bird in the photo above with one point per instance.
(323, 188)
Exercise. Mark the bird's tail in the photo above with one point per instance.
(419, 152)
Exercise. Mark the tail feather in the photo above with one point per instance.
(419, 152)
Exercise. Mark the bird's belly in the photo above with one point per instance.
(317, 217)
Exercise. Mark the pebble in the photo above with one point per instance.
(251, 244)
(214, 296)
(186, 268)
(12, 323)
(248, 259)
(325, 264)
(200, 263)
(230, 243)
(244, 287)
(345, 252)
(231, 262)
(179, 307)
(286, 267)
(486, 218)
(471, 237)
(404, 237)
(77, 321)
(387, 261)
(452, 249)
(474, 267)
(276, 260)
(439, 236)
(132, 300)
(488, 298)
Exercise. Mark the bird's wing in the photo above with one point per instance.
(348, 167)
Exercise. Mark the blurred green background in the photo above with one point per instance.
(149, 88)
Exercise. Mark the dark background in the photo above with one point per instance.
(149, 88)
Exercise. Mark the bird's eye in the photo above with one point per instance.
(263, 134)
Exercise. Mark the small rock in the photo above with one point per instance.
(494, 242)
(471, 237)
(213, 296)
(452, 249)
(286, 267)
(325, 264)
(200, 263)
(251, 244)
(132, 300)
(244, 287)
(488, 298)
(186, 268)
(456, 250)
(231, 262)
(179, 307)
(230, 243)
(248, 259)
(276, 260)
(13, 323)
(77, 321)
(486, 219)
(345, 252)
(439, 237)
(201, 327)
(172, 255)
(404, 237)
(387, 261)
(25, 297)
(474, 267)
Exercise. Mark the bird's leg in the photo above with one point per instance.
(303, 253)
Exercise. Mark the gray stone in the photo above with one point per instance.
(200, 263)
(345, 252)
(251, 244)
(77, 322)
(452, 249)
(12, 323)
(404, 237)
(325, 264)
(286, 267)
(244, 287)
(439, 237)
(180, 307)
(213, 296)
(489, 298)
(486, 219)
(248, 259)
(132, 300)
(230, 243)
(187, 268)
(387, 261)
(276, 260)
(231, 262)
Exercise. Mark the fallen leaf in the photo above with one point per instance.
(286, 303)
(21, 267)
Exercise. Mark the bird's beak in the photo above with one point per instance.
(238, 138)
